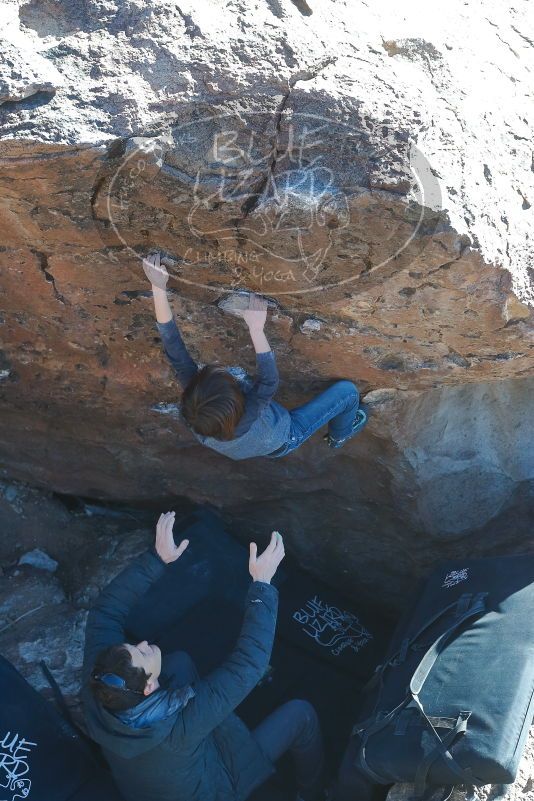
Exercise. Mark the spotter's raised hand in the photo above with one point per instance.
(166, 548)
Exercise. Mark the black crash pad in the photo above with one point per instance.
(204, 591)
(41, 757)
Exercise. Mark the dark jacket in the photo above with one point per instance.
(202, 752)
(264, 426)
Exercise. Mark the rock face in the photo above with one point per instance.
(42, 614)
(352, 164)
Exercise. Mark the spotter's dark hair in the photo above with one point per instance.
(118, 660)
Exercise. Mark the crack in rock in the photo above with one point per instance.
(302, 75)
(446, 265)
(303, 7)
(94, 198)
(276, 8)
(115, 150)
(522, 35)
(42, 260)
(35, 97)
(127, 295)
(508, 45)
(191, 28)
(253, 201)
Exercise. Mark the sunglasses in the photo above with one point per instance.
(112, 680)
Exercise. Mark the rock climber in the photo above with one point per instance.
(170, 735)
(243, 423)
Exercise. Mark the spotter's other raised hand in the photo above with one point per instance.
(263, 567)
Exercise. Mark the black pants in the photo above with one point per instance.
(293, 727)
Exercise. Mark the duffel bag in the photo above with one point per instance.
(453, 701)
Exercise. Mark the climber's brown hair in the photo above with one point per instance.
(213, 403)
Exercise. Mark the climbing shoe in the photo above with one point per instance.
(359, 422)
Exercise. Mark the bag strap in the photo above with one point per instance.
(429, 659)
(77, 731)
(400, 655)
(373, 725)
(418, 679)
(460, 605)
(60, 698)
(442, 750)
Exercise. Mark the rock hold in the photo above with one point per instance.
(39, 560)
(310, 325)
(25, 74)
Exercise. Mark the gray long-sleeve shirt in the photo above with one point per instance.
(264, 426)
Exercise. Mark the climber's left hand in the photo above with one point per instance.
(155, 271)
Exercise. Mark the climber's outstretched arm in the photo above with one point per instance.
(162, 306)
(173, 344)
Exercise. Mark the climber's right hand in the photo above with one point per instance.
(155, 271)
(256, 314)
(263, 567)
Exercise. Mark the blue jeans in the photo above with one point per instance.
(336, 406)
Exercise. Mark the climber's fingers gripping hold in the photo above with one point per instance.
(256, 314)
(155, 271)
